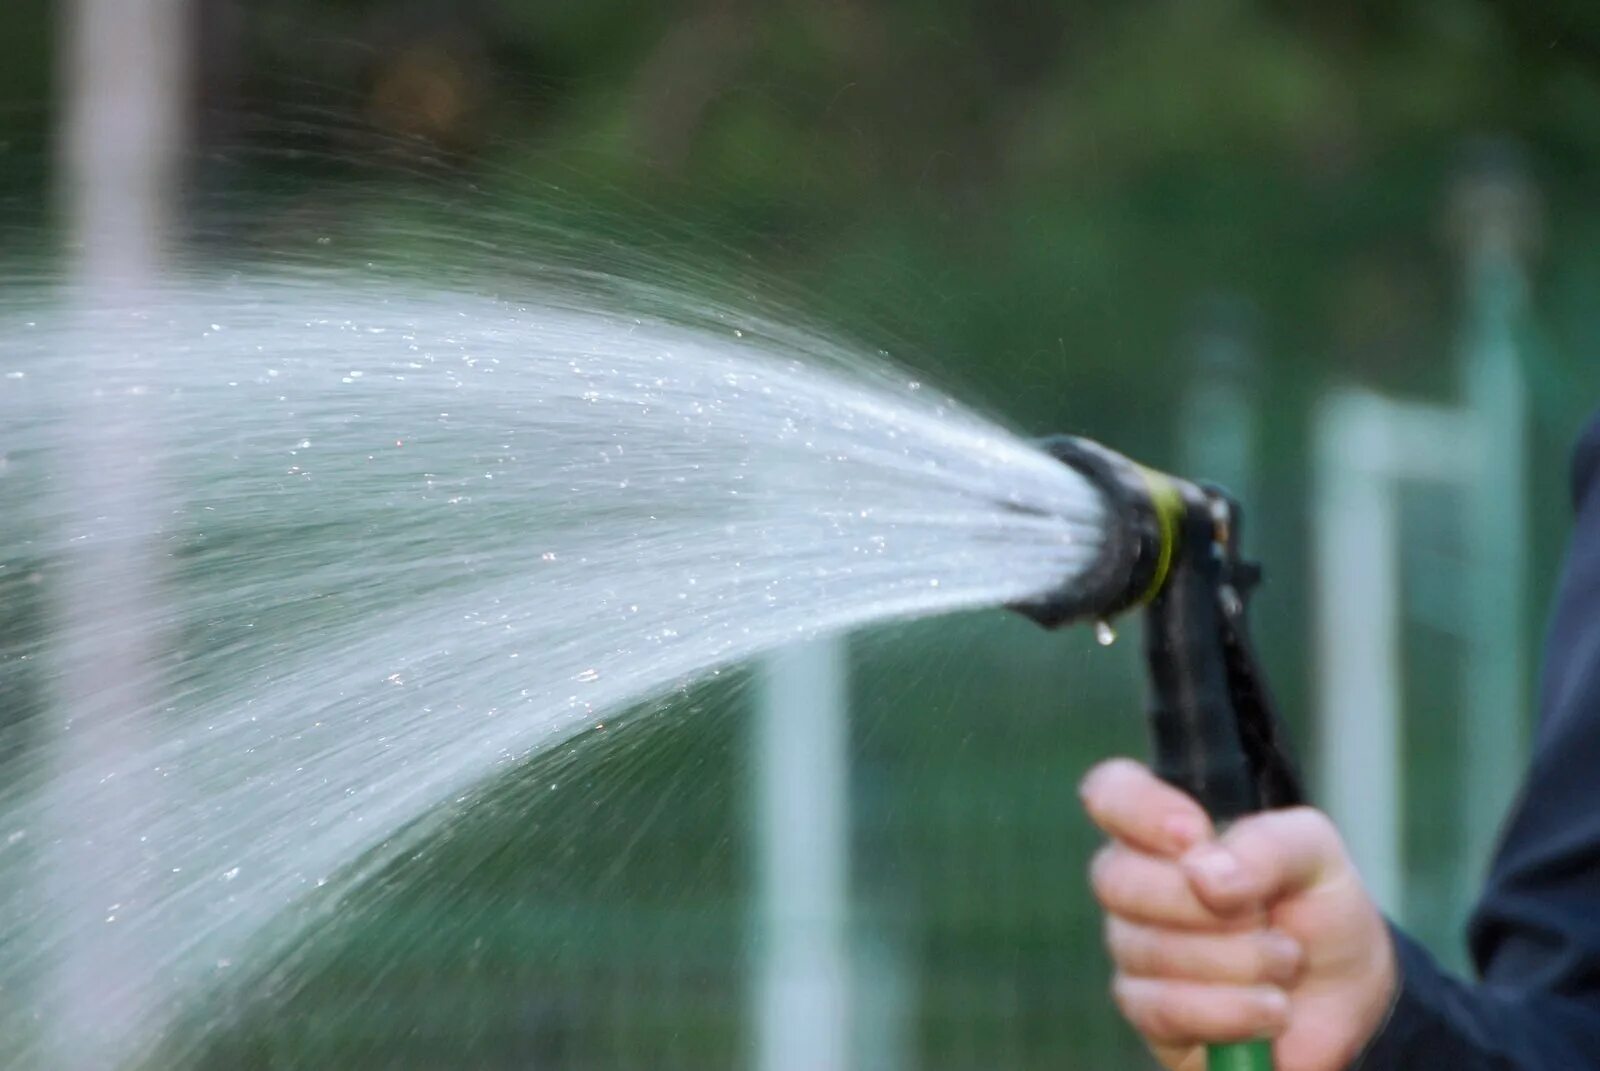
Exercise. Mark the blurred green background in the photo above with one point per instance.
(1040, 205)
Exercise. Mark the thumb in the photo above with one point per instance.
(1264, 858)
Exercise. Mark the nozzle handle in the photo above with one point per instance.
(1215, 732)
(1194, 726)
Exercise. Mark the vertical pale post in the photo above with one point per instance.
(125, 78)
(803, 991)
(1367, 449)
(1355, 528)
(1494, 216)
(1219, 413)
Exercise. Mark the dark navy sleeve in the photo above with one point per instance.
(1535, 935)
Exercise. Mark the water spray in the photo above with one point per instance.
(412, 538)
(1172, 547)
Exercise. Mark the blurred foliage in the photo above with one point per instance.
(1023, 191)
(1028, 200)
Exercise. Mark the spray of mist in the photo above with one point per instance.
(410, 536)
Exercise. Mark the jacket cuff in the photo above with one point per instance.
(1410, 1014)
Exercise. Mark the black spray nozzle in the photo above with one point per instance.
(1144, 510)
(1172, 547)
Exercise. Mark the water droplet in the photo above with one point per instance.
(229, 875)
(1104, 634)
(589, 675)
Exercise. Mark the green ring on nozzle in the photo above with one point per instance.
(1144, 524)
(1167, 499)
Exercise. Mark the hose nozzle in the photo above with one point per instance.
(1146, 511)
(1172, 548)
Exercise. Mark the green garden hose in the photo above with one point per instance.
(1240, 1056)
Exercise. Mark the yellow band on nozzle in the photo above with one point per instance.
(1169, 510)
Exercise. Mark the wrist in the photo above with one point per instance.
(1385, 994)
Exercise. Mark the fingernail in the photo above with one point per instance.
(1275, 1006)
(1184, 831)
(1283, 956)
(1216, 865)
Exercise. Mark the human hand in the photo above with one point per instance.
(1263, 932)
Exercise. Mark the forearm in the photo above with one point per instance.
(1442, 1022)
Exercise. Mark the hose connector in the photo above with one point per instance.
(1145, 509)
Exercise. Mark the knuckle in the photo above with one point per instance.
(1266, 1013)
(1212, 959)
(1263, 963)
(1099, 786)
(1103, 867)
(1121, 767)
(1131, 947)
(1131, 999)
(1219, 958)
(1209, 961)
(1267, 834)
(1320, 830)
(1121, 997)
(1278, 958)
(1185, 1013)
(1166, 1014)
(1111, 931)
(1149, 1006)
(1255, 1012)
(1157, 955)
(1313, 820)
(1254, 840)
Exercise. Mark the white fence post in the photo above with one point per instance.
(1367, 448)
(1496, 221)
(1219, 413)
(126, 82)
(803, 999)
